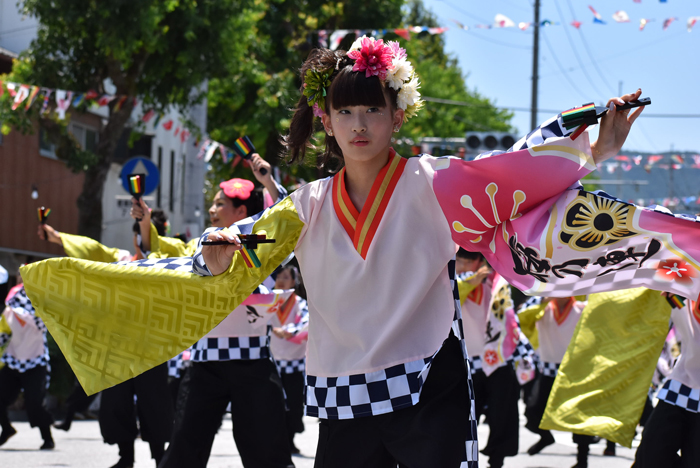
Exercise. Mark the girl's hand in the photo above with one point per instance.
(614, 127)
(219, 257)
(257, 163)
(48, 233)
(140, 211)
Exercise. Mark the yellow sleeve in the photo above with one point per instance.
(528, 320)
(166, 247)
(88, 249)
(114, 322)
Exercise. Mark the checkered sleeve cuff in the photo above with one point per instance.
(199, 266)
(677, 394)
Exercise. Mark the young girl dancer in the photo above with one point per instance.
(385, 370)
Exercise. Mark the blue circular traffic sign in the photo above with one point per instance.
(141, 165)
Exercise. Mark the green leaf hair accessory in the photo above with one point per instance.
(315, 85)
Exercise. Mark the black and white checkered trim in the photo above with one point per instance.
(549, 369)
(290, 366)
(476, 364)
(20, 301)
(183, 264)
(176, 365)
(231, 348)
(677, 394)
(389, 389)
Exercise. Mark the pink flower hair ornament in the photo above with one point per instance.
(237, 188)
(373, 57)
(388, 61)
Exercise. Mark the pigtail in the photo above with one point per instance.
(301, 129)
(302, 126)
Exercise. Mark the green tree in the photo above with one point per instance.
(159, 51)
(256, 96)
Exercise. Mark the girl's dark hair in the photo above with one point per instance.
(463, 253)
(159, 220)
(292, 271)
(254, 204)
(347, 88)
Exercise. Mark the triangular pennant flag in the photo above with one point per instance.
(148, 115)
(621, 17)
(643, 22)
(502, 21)
(184, 135)
(210, 151)
(202, 149)
(596, 16)
(22, 94)
(403, 33)
(576, 24)
(105, 99)
(168, 125)
(668, 21)
(117, 107)
(523, 26)
(45, 105)
(63, 100)
(78, 100)
(691, 22)
(11, 89)
(32, 95)
(90, 95)
(177, 131)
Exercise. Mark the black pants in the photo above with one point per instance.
(427, 435)
(294, 389)
(497, 397)
(153, 406)
(33, 381)
(255, 392)
(537, 403)
(669, 429)
(78, 401)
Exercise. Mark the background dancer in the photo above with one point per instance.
(496, 393)
(674, 424)
(232, 364)
(26, 367)
(288, 344)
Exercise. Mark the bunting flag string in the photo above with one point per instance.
(619, 16)
(25, 95)
(332, 38)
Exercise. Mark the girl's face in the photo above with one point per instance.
(463, 265)
(284, 280)
(222, 212)
(363, 132)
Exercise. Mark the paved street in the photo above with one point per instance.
(82, 447)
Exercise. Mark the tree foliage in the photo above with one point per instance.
(160, 51)
(256, 97)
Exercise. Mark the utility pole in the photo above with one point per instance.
(535, 66)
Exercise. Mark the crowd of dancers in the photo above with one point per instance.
(403, 346)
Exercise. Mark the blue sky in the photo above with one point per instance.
(498, 62)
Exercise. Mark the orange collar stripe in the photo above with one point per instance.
(560, 317)
(379, 197)
(341, 207)
(362, 226)
(477, 294)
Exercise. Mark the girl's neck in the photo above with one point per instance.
(360, 176)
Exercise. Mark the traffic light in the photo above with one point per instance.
(479, 142)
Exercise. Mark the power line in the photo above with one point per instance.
(566, 75)
(549, 111)
(588, 50)
(576, 54)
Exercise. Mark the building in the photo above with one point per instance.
(27, 162)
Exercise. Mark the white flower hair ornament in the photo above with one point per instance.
(375, 58)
